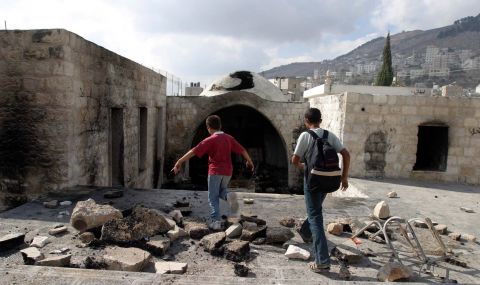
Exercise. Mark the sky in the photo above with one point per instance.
(201, 40)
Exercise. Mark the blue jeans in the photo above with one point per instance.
(314, 201)
(217, 189)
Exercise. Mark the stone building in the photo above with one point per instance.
(74, 113)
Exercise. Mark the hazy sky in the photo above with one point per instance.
(199, 40)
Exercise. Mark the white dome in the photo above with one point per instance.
(245, 81)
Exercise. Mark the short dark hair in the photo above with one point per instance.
(214, 122)
(313, 115)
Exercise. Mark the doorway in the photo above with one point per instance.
(117, 147)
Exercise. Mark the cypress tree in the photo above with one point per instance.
(385, 75)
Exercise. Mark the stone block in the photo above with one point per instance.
(168, 267)
(295, 252)
(381, 210)
(335, 228)
(31, 255)
(196, 230)
(11, 241)
(40, 241)
(213, 242)
(56, 261)
(237, 250)
(125, 259)
(158, 245)
(277, 235)
(234, 231)
(88, 215)
(394, 271)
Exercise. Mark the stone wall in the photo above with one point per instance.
(57, 93)
(398, 119)
(186, 114)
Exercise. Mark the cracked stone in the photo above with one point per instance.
(176, 233)
(335, 229)
(168, 267)
(394, 271)
(51, 204)
(40, 241)
(88, 215)
(196, 230)
(250, 233)
(158, 245)
(234, 231)
(87, 237)
(126, 259)
(31, 255)
(237, 250)
(11, 241)
(295, 252)
(56, 261)
(57, 230)
(278, 235)
(381, 210)
(212, 243)
(287, 222)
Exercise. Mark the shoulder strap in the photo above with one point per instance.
(313, 134)
(325, 134)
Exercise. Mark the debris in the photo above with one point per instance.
(392, 194)
(394, 271)
(295, 252)
(467, 210)
(65, 203)
(304, 231)
(40, 241)
(234, 231)
(176, 233)
(250, 233)
(441, 229)
(158, 245)
(171, 222)
(11, 241)
(186, 211)
(181, 203)
(212, 243)
(469, 237)
(259, 241)
(335, 229)
(87, 237)
(176, 216)
(420, 224)
(57, 230)
(196, 230)
(88, 215)
(142, 223)
(453, 261)
(240, 270)
(60, 251)
(287, 222)
(278, 235)
(237, 250)
(168, 267)
(454, 236)
(381, 210)
(56, 261)
(125, 259)
(113, 194)
(51, 204)
(255, 220)
(31, 255)
(248, 201)
(350, 252)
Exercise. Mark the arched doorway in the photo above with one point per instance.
(266, 147)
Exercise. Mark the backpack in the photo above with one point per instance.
(322, 172)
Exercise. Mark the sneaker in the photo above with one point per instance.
(216, 225)
(233, 203)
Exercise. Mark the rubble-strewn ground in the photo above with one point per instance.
(268, 265)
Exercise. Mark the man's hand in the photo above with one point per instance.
(250, 165)
(177, 167)
(344, 183)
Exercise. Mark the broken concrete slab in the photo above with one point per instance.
(237, 250)
(58, 229)
(113, 194)
(335, 229)
(88, 215)
(11, 241)
(40, 241)
(250, 233)
(171, 222)
(196, 230)
(125, 259)
(87, 237)
(277, 235)
(158, 245)
(212, 243)
(142, 223)
(469, 237)
(295, 252)
(454, 236)
(31, 255)
(394, 271)
(392, 194)
(168, 267)
(441, 229)
(288, 222)
(176, 216)
(240, 270)
(56, 261)
(350, 252)
(234, 231)
(176, 233)
(381, 210)
(467, 210)
(51, 204)
(255, 220)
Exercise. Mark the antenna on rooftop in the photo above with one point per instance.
(5, 21)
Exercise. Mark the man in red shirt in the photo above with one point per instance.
(219, 147)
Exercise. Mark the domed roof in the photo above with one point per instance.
(245, 81)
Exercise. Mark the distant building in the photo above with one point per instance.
(477, 90)
(292, 87)
(194, 89)
(452, 91)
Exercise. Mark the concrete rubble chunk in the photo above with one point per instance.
(469, 237)
(176, 216)
(248, 201)
(381, 210)
(169, 267)
(454, 236)
(88, 215)
(394, 271)
(234, 231)
(186, 211)
(171, 222)
(288, 222)
(141, 224)
(255, 220)
(56, 261)
(158, 245)
(295, 252)
(250, 233)
(467, 210)
(51, 204)
(237, 250)
(57, 230)
(335, 229)
(87, 237)
(350, 253)
(240, 270)
(65, 203)
(212, 243)
(176, 233)
(441, 229)
(31, 255)
(196, 230)
(40, 241)
(278, 235)
(11, 241)
(392, 194)
(125, 259)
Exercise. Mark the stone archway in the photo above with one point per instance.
(258, 135)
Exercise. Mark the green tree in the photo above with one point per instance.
(385, 75)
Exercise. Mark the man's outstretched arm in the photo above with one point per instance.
(178, 165)
(248, 159)
(345, 166)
